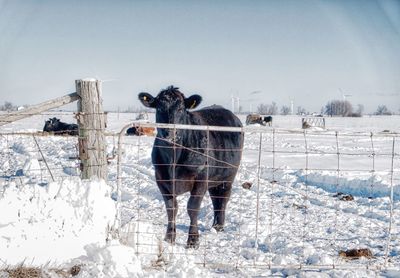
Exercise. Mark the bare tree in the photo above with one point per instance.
(285, 110)
(273, 109)
(262, 108)
(8, 106)
(267, 109)
(382, 110)
(301, 111)
(339, 108)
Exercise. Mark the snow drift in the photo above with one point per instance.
(53, 223)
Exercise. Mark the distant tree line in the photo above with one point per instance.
(333, 108)
(345, 109)
(341, 108)
(8, 106)
(267, 109)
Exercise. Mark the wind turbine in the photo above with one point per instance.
(235, 102)
(291, 106)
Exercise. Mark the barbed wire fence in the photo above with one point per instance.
(306, 187)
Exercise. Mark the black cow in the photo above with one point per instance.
(55, 126)
(133, 131)
(268, 120)
(191, 161)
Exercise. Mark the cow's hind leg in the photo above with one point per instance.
(193, 208)
(220, 197)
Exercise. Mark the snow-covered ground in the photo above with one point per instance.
(289, 219)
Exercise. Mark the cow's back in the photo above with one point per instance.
(217, 116)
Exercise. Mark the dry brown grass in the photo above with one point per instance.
(356, 253)
(344, 197)
(24, 272)
(33, 272)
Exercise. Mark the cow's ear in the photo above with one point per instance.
(147, 100)
(192, 101)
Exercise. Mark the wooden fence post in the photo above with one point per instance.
(92, 123)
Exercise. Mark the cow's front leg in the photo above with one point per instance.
(172, 209)
(193, 209)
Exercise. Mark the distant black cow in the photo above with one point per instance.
(268, 120)
(191, 161)
(57, 127)
(133, 131)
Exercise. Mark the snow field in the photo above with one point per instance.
(288, 218)
(299, 221)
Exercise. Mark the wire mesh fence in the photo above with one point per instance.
(28, 158)
(301, 199)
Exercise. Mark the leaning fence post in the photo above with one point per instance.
(92, 123)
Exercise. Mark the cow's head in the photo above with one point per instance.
(51, 124)
(171, 106)
(47, 126)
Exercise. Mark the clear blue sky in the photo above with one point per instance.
(307, 51)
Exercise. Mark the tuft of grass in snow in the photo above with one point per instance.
(356, 253)
(35, 272)
(24, 272)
